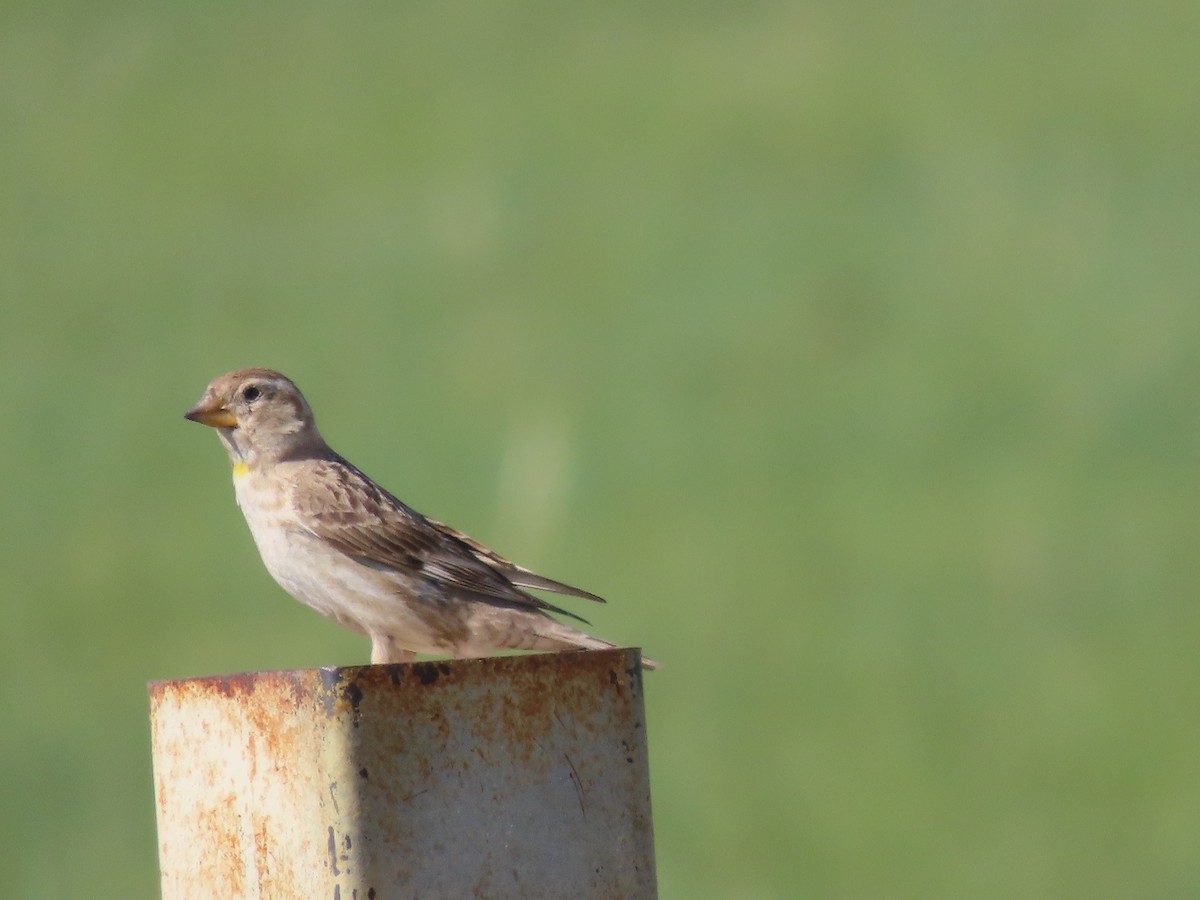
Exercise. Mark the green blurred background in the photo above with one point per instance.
(849, 349)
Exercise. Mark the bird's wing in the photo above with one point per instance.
(518, 575)
(346, 510)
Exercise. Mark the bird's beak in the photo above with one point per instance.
(211, 412)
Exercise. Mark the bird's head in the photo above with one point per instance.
(260, 415)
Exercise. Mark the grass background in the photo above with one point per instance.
(850, 350)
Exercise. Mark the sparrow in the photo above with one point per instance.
(342, 545)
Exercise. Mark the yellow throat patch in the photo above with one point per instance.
(240, 469)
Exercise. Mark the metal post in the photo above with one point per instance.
(520, 776)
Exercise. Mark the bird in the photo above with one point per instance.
(342, 545)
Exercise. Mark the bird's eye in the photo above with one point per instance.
(251, 393)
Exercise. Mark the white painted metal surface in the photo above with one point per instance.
(511, 777)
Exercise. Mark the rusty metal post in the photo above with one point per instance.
(520, 776)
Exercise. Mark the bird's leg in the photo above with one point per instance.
(384, 650)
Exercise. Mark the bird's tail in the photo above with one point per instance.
(564, 637)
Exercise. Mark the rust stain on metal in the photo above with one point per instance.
(498, 777)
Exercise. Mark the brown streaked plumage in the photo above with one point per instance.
(344, 546)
